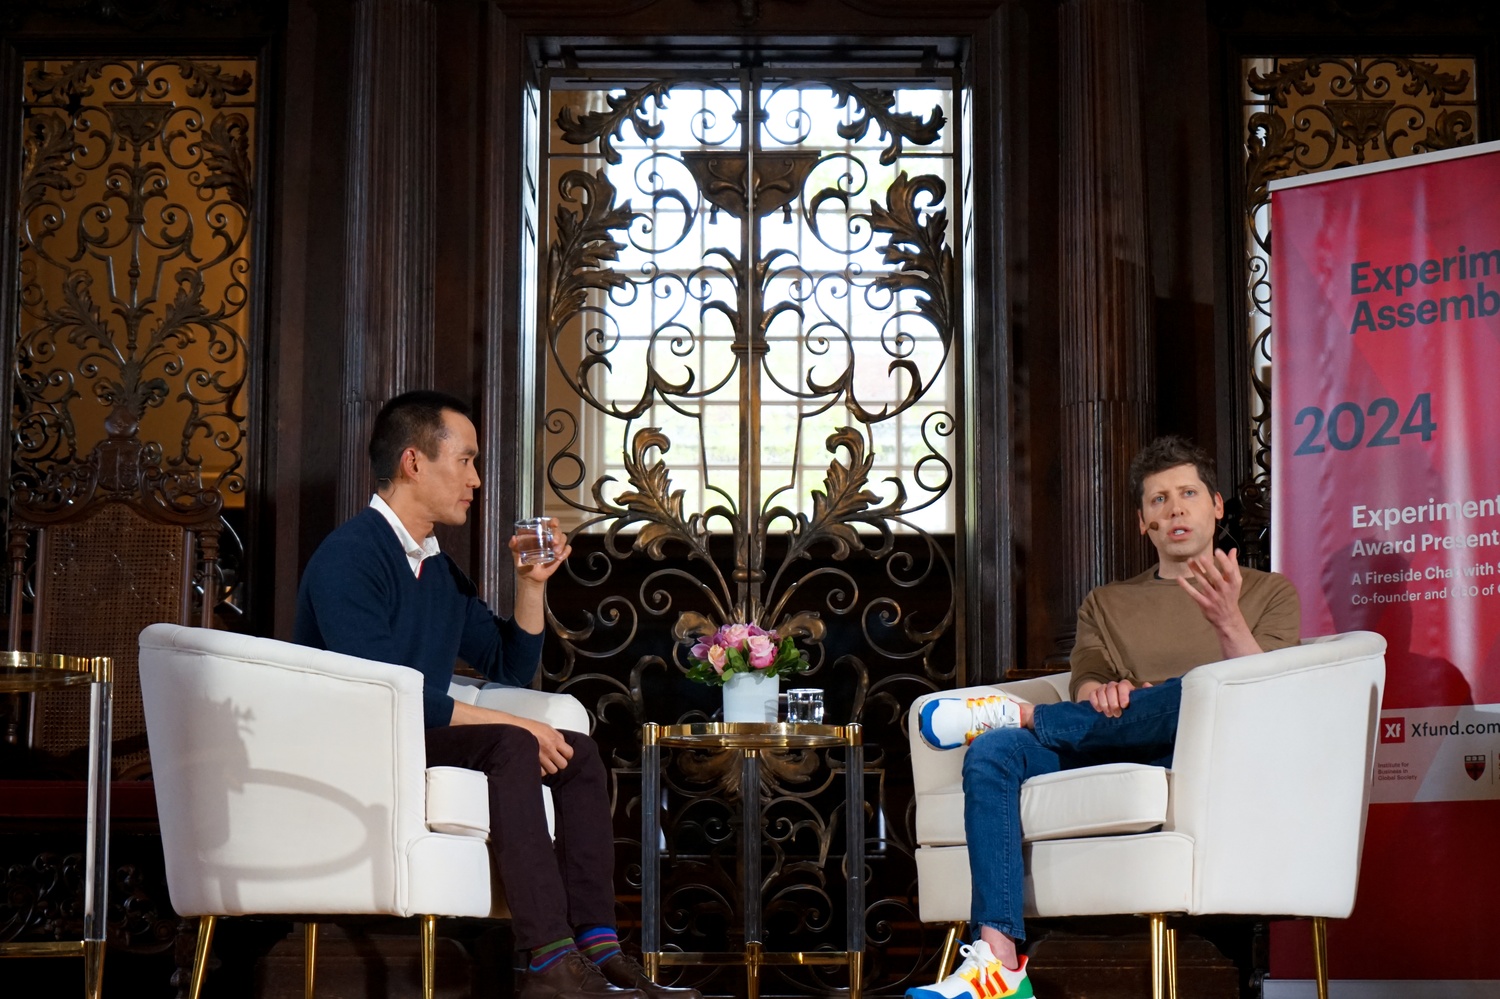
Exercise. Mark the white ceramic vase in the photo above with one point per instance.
(750, 697)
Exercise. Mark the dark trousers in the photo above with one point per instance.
(553, 887)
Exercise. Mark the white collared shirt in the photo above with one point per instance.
(416, 553)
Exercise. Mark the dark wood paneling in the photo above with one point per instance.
(307, 301)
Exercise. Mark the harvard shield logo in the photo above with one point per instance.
(1474, 766)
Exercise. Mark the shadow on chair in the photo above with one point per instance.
(292, 781)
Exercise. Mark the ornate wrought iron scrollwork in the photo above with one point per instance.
(43, 899)
(585, 248)
(776, 265)
(136, 193)
(41, 895)
(1309, 115)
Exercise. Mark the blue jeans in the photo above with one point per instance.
(1064, 736)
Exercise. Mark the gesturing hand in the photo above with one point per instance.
(1214, 582)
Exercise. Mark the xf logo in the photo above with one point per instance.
(1393, 730)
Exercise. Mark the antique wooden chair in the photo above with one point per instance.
(98, 551)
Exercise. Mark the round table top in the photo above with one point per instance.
(756, 735)
(26, 671)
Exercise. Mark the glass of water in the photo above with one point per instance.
(535, 534)
(804, 705)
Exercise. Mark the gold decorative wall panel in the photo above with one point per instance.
(135, 259)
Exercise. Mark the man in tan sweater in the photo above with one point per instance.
(1135, 640)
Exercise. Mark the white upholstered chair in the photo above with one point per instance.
(1262, 812)
(294, 781)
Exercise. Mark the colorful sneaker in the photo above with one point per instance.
(981, 976)
(950, 722)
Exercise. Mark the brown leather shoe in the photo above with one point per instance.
(626, 972)
(571, 976)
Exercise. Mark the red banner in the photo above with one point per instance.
(1386, 506)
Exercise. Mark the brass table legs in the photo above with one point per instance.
(754, 957)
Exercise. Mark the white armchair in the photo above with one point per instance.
(1262, 812)
(294, 781)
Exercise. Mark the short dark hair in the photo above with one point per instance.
(1169, 452)
(411, 419)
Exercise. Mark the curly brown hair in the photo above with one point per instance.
(1167, 452)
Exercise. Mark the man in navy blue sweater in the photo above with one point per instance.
(378, 587)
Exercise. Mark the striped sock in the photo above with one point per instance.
(599, 944)
(544, 957)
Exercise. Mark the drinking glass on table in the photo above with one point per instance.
(804, 705)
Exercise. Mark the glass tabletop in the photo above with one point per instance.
(25, 671)
(756, 735)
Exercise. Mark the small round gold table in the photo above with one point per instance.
(30, 672)
(750, 739)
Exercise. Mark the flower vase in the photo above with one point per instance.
(750, 697)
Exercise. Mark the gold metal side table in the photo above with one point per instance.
(29, 672)
(750, 739)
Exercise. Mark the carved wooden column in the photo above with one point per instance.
(388, 310)
(1106, 360)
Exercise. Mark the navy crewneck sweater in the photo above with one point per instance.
(359, 597)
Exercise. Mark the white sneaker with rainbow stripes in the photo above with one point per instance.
(951, 722)
(980, 976)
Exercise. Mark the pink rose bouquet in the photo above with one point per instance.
(743, 648)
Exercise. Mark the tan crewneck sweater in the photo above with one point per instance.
(1146, 630)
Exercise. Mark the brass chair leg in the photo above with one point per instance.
(1158, 954)
(429, 956)
(1320, 954)
(200, 954)
(948, 957)
(309, 958)
(856, 974)
(1171, 962)
(93, 968)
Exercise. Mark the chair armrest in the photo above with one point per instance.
(561, 711)
(1271, 774)
(458, 802)
(937, 768)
